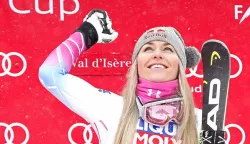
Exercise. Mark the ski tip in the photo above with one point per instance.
(215, 41)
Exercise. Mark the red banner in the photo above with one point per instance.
(31, 29)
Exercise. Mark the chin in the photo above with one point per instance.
(158, 79)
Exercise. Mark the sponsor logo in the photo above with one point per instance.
(156, 34)
(9, 132)
(238, 10)
(150, 134)
(154, 139)
(237, 127)
(87, 133)
(214, 95)
(169, 130)
(99, 127)
(6, 58)
(213, 100)
(104, 91)
(153, 33)
(193, 71)
(157, 94)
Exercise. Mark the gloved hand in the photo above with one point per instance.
(97, 28)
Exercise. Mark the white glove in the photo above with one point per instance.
(103, 25)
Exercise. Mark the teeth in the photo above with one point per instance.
(157, 66)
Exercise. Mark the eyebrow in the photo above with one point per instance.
(150, 43)
(165, 44)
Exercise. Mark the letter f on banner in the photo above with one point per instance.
(237, 11)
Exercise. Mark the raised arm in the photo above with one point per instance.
(75, 93)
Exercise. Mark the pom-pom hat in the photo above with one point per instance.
(189, 56)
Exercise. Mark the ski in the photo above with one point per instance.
(216, 68)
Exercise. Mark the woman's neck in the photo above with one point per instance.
(149, 91)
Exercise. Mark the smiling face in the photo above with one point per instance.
(158, 62)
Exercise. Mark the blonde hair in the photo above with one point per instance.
(126, 131)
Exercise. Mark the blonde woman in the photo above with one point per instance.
(156, 104)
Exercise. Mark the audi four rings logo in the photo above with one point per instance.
(6, 58)
(193, 71)
(9, 133)
(239, 128)
(87, 133)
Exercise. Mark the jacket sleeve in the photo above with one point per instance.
(78, 95)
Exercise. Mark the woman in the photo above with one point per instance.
(157, 104)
